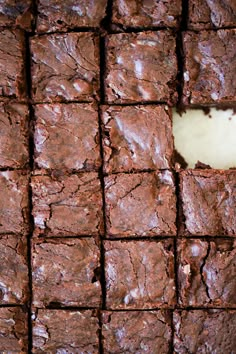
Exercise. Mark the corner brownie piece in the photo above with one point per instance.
(141, 67)
(141, 14)
(12, 73)
(57, 15)
(207, 274)
(209, 200)
(209, 63)
(13, 330)
(139, 274)
(14, 207)
(16, 13)
(141, 204)
(65, 273)
(136, 332)
(136, 138)
(67, 205)
(65, 67)
(66, 137)
(202, 331)
(13, 270)
(206, 14)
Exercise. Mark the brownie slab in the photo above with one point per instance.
(208, 198)
(206, 14)
(141, 204)
(14, 208)
(202, 331)
(133, 13)
(209, 63)
(139, 274)
(57, 15)
(67, 205)
(16, 13)
(13, 330)
(12, 72)
(13, 270)
(207, 273)
(65, 67)
(66, 137)
(136, 138)
(141, 67)
(136, 332)
(64, 273)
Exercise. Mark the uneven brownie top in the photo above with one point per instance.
(66, 137)
(141, 67)
(136, 138)
(16, 12)
(136, 332)
(65, 67)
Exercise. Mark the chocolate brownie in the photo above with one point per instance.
(136, 332)
(16, 12)
(57, 15)
(13, 330)
(141, 67)
(207, 272)
(141, 204)
(14, 120)
(209, 201)
(147, 13)
(211, 14)
(65, 272)
(13, 270)
(14, 207)
(209, 63)
(202, 331)
(66, 136)
(65, 67)
(12, 72)
(67, 205)
(136, 138)
(139, 274)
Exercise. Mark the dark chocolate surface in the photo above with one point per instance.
(16, 13)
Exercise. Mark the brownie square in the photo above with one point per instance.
(136, 332)
(207, 273)
(151, 13)
(16, 13)
(141, 67)
(203, 331)
(57, 15)
(136, 138)
(14, 208)
(14, 140)
(65, 273)
(67, 205)
(209, 200)
(139, 274)
(13, 330)
(205, 14)
(12, 73)
(66, 137)
(141, 204)
(13, 270)
(209, 63)
(65, 67)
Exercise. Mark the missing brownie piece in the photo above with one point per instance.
(67, 205)
(136, 138)
(139, 274)
(208, 198)
(65, 67)
(65, 273)
(209, 66)
(136, 331)
(141, 14)
(141, 67)
(66, 137)
(140, 204)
